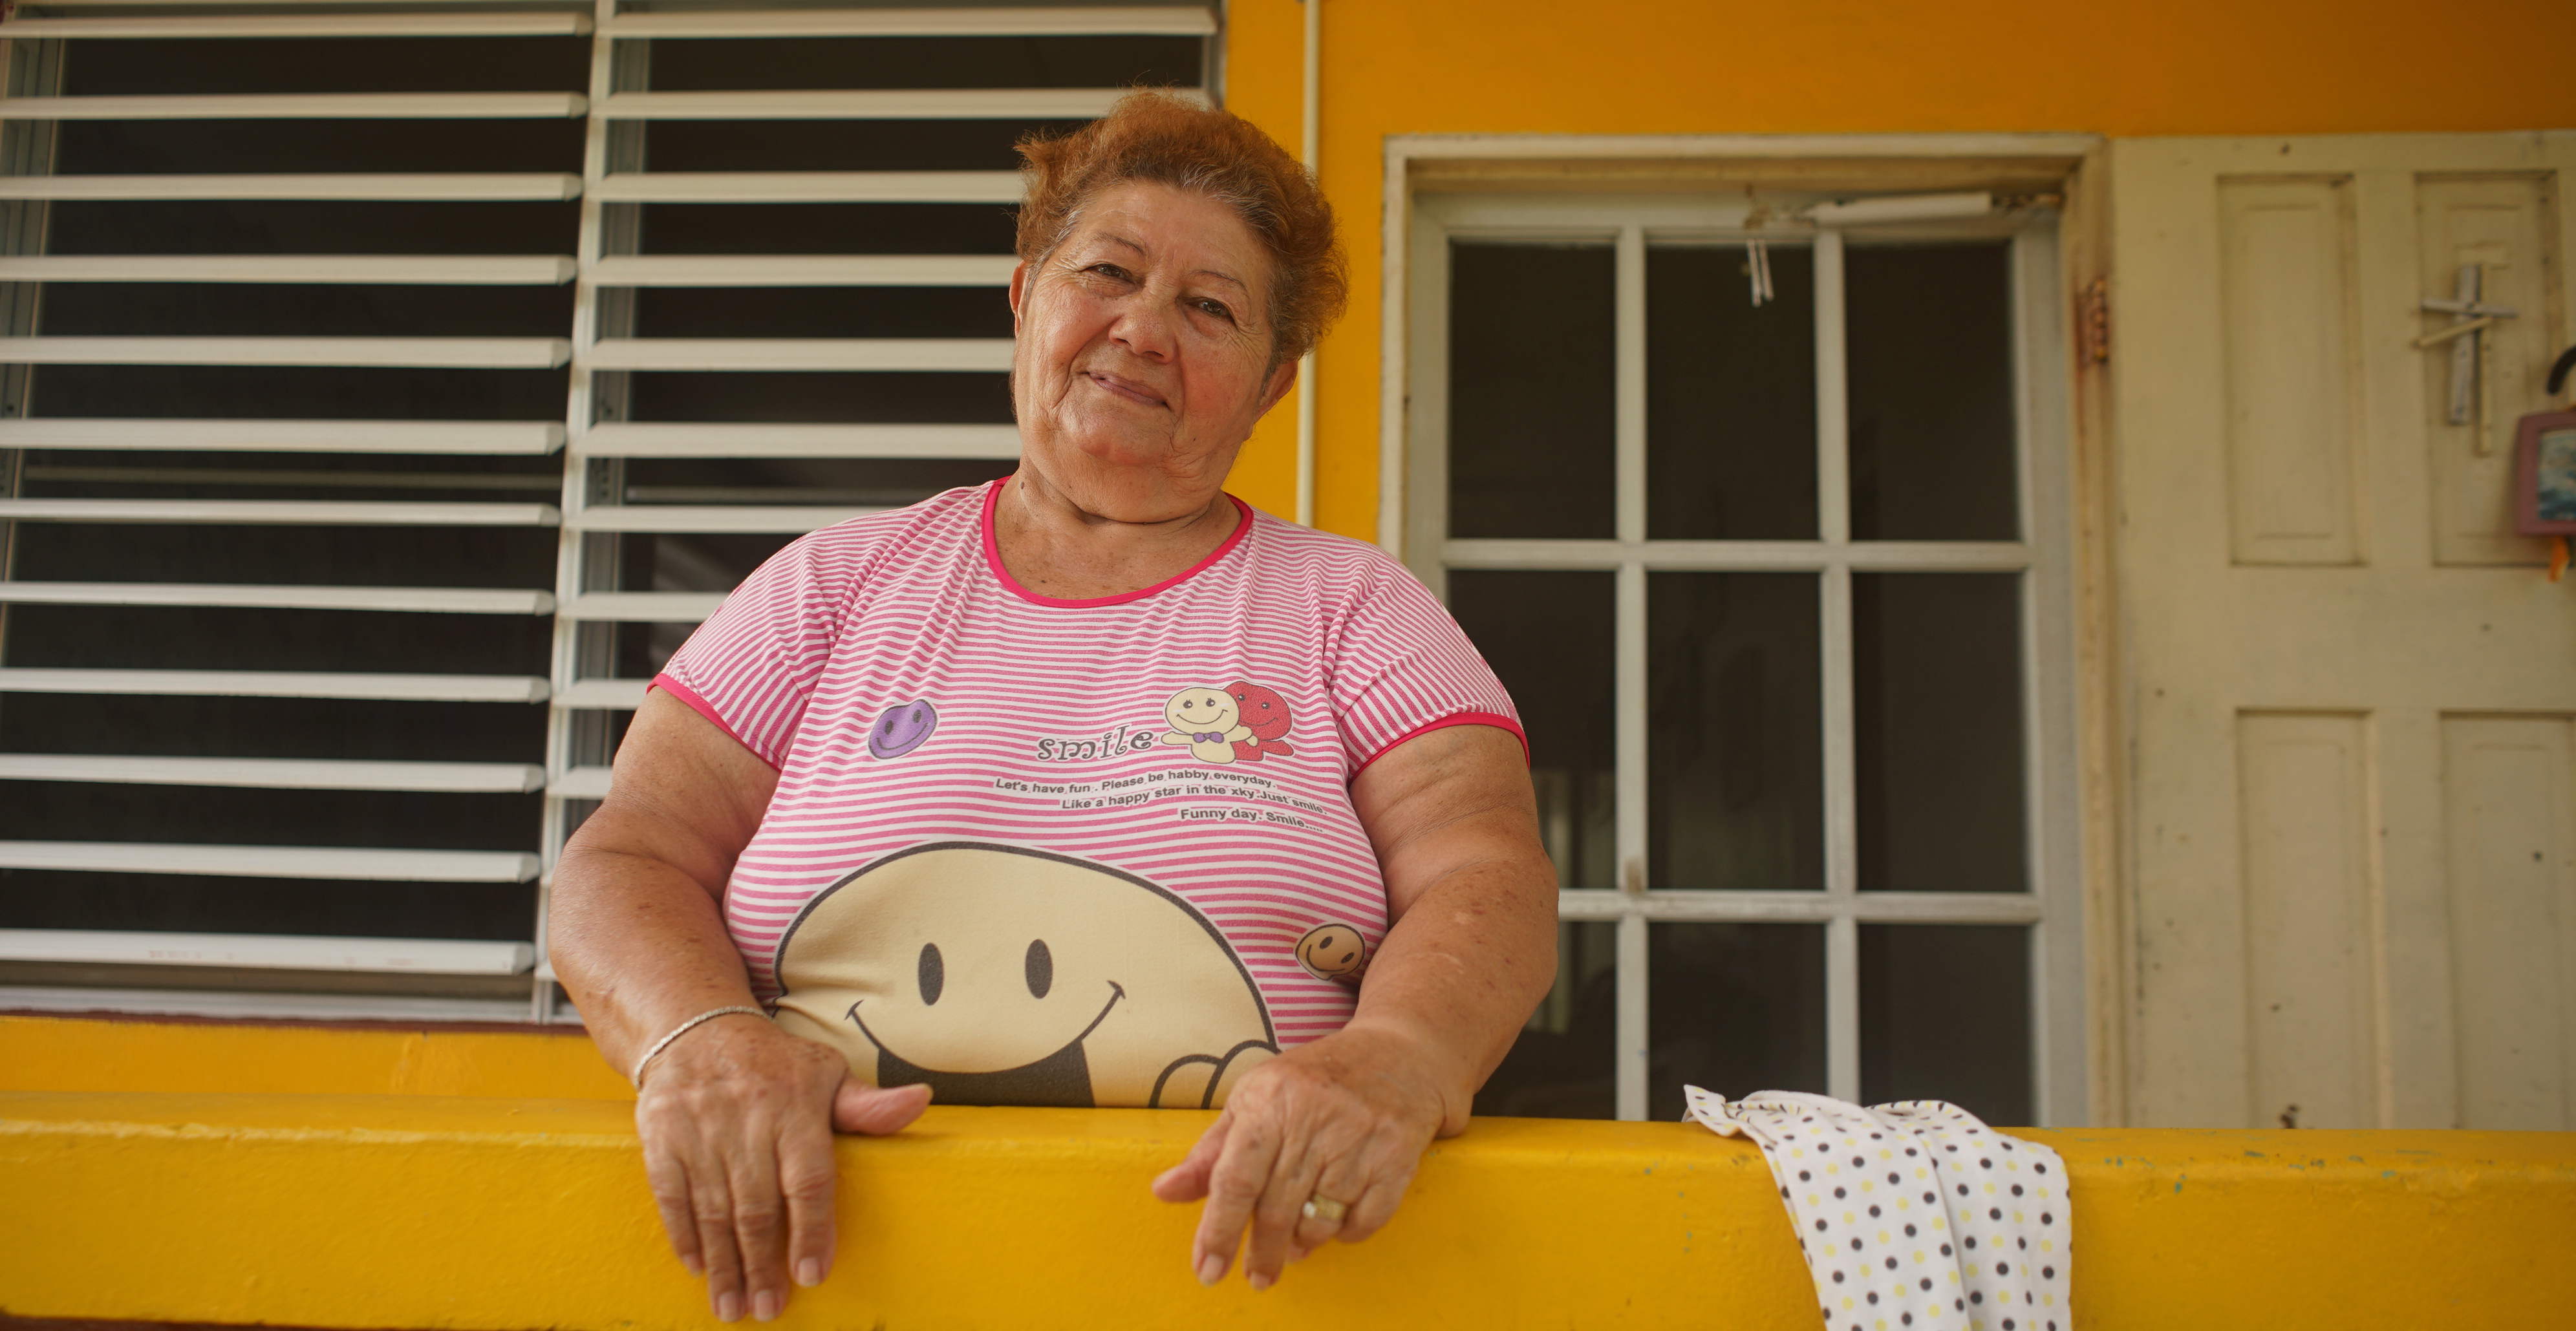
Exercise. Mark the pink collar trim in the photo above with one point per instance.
(993, 558)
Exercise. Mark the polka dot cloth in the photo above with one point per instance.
(1914, 1216)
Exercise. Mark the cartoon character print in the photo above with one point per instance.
(1265, 714)
(1003, 975)
(1208, 721)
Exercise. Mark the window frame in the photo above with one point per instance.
(1425, 215)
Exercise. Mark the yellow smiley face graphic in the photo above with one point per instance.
(1000, 975)
(1333, 951)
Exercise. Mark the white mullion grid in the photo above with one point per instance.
(1834, 592)
(2058, 1081)
(1629, 488)
(565, 658)
(1421, 229)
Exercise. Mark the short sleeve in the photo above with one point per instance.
(752, 667)
(1402, 666)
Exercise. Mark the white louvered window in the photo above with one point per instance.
(389, 390)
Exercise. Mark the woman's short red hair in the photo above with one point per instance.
(1160, 137)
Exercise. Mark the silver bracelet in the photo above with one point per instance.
(637, 1077)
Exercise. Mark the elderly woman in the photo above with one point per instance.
(1091, 786)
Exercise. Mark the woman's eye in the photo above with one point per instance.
(1216, 309)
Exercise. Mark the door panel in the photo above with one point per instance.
(2509, 791)
(2313, 1032)
(2292, 423)
(2506, 225)
(2342, 675)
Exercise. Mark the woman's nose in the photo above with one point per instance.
(1144, 329)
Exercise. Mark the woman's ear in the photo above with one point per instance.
(1281, 380)
(1019, 290)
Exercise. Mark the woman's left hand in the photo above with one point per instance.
(1345, 1118)
(1470, 949)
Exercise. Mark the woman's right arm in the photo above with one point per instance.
(736, 1116)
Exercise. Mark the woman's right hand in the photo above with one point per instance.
(737, 1119)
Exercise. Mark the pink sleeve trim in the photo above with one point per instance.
(1495, 719)
(702, 707)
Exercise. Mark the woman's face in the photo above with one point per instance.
(1144, 353)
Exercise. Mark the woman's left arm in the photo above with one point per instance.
(1470, 951)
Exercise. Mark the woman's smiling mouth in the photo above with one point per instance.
(1123, 387)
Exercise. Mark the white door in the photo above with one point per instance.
(2349, 688)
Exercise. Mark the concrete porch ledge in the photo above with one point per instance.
(429, 1211)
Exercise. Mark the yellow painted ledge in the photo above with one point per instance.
(425, 1211)
(45, 1053)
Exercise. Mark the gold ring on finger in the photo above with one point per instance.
(1321, 1207)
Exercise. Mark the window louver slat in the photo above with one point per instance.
(808, 187)
(611, 695)
(535, 438)
(262, 1006)
(280, 511)
(581, 783)
(792, 520)
(275, 773)
(812, 353)
(799, 270)
(392, 866)
(303, 25)
(302, 106)
(454, 353)
(402, 270)
(433, 600)
(1139, 20)
(449, 186)
(639, 607)
(278, 684)
(862, 104)
(747, 440)
(426, 956)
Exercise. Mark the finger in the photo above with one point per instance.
(1374, 1207)
(1188, 1180)
(1242, 1168)
(760, 1230)
(807, 1175)
(1275, 1215)
(670, 1184)
(711, 1206)
(858, 1107)
(1339, 1180)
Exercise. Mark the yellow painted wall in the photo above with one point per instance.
(2114, 67)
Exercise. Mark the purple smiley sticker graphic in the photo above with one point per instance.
(901, 728)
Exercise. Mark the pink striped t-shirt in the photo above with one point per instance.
(1043, 851)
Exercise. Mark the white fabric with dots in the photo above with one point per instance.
(1914, 1216)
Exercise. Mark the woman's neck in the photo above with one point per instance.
(1055, 547)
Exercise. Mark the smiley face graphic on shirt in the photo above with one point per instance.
(1002, 975)
(1207, 720)
(1334, 951)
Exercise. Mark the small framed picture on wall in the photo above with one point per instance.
(2544, 499)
